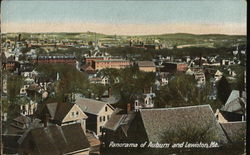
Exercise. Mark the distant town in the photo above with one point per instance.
(89, 93)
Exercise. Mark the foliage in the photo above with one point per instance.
(97, 90)
(70, 79)
(189, 132)
(182, 91)
(128, 82)
(14, 84)
(223, 89)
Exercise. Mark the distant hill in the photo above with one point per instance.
(173, 39)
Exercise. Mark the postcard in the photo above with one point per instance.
(123, 77)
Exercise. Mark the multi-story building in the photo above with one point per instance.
(175, 67)
(147, 66)
(90, 60)
(55, 59)
(98, 113)
(112, 63)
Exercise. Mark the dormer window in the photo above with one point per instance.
(77, 113)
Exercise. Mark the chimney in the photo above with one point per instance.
(128, 107)
(89, 53)
(109, 92)
(45, 120)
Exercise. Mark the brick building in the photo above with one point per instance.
(90, 60)
(112, 63)
(175, 67)
(55, 59)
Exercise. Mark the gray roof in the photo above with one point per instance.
(55, 140)
(156, 121)
(90, 106)
(146, 64)
(120, 119)
(114, 122)
(235, 131)
(52, 109)
(236, 105)
(112, 60)
(62, 110)
(234, 94)
(56, 110)
(23, 119)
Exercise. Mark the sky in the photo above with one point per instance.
(125, 17)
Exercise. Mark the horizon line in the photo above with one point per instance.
(126, 29)
(127, 34)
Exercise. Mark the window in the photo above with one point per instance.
(72, 114)
(77, 113)
(106, 108)
(100, 128)
(103, 118)
(100, 119)
(108, 117)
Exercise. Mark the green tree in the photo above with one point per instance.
(223, 89)
(98, 90)
(70, 79)
(14, 84)
(182, 90)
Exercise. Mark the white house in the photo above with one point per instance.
(98, 113)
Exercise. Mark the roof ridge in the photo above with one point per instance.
(185, 107)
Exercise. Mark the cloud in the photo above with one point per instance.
(128, 29)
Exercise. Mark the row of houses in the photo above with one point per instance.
(76, 126)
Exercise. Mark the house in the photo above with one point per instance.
(162, 77)
(235, 131)
(108, 97)
(227, 62)
(54, 140)
(98, 113)
(234, 108)
(101, 80)
(218, 74)
(88, 69)
(61, 113)
(15, 129)
(11, 66)
(198, 74)
(152, 124)
(189, 71)
(146, 66)
(144, 101)
(28, 109)
(200, 78)
(117, 127)
(22, 123)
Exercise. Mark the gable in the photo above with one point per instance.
(107, 109)
(75, 113)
